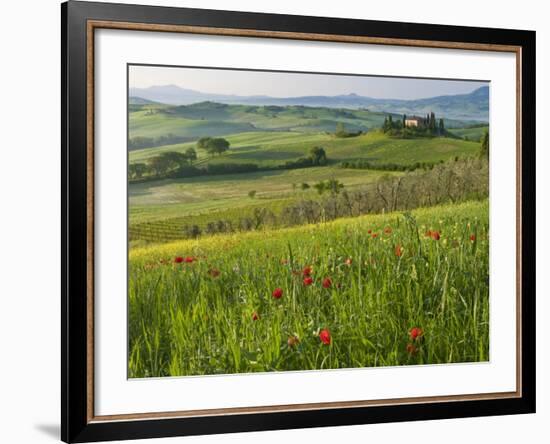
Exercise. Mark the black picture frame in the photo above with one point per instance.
(76, 423)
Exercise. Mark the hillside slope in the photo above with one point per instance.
(276, 148)
(472, 106)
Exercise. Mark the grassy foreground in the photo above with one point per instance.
(367, 291)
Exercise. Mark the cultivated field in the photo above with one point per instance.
(150, 201)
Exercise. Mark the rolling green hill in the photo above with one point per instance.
(268, 149)
(211, 119)
(473, 134)
(157, 123)
(266, 136)
(473, 105)
(214, 119)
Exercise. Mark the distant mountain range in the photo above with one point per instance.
(472, 106)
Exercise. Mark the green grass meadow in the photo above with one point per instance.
(217, 314)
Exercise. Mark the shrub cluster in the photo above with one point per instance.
(368, 165)
(213, 169)
(453, 181)
(257, 219)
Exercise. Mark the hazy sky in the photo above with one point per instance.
(277, 84)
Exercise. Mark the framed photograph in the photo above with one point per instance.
(275, 221)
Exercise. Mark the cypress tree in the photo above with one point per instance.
(484, 149)
(432, 121)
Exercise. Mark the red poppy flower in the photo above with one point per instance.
(349, 261)
(277, 293)
(398, 250)
(327, 282)
(189, 259)
(214, 272)
(178, 260)
(307, 271)
(429, 233)
(411, 349)
(472, 237)
(324, 336)
(308, 281)
(415, 333)
(255, 316)
(387, 230)
(435, 235)
(369, 231)
(374, 235)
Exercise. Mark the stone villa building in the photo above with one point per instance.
(416, 121)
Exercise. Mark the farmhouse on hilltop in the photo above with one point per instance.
(414, 125)
(416, 121)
